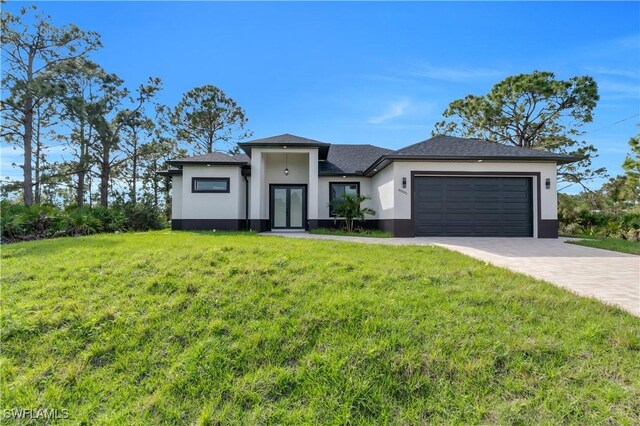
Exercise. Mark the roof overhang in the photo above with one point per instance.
(207, 163)
(170, 172)
(323, 148)
(385, 160)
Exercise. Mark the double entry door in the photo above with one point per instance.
(288, 206)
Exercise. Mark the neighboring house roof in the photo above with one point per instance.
(350, 159)
(218, 158)
(286, 140)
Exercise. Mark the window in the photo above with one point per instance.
(338, 189)
(201, 184)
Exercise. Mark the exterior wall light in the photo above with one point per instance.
(286, 165)
(547, 183)
(404, 182)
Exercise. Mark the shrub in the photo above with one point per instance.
(19, 222)
(143, 217)
(348, 207)
(596, 223)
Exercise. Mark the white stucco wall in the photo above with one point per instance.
(402, 197)
(383, 193)
(546, 170)
(176, 197)
(212, 205)
(269, 163)
(323, 193)
(388, 198)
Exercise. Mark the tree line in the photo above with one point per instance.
(114, 138)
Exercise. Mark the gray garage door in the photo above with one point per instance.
(473, 206)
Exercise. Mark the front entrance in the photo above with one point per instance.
(288, 206)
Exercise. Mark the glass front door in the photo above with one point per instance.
(288, 207)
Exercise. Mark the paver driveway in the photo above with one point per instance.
(606, 275)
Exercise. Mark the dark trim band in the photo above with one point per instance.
(207, 224)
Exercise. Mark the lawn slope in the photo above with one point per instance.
(211, 328)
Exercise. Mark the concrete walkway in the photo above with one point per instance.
(606, 275)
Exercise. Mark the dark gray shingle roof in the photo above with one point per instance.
(212, 157)
(451, 147)
(349, 159)
(286, 140)
(242, 157)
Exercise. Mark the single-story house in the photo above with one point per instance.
(443, 186)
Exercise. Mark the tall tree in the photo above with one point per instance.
(44, 118)
(157, 153)
(116, 110)
(85, 86)
(31, 47)
(631, 168)
(532, 111)
(205, 117)
(135, 141)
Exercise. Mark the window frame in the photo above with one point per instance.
(210, 179)
(331, 214)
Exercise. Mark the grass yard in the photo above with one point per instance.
(375, 233)
(201, 328)
(613, 244)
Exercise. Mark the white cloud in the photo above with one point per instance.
(394, 110)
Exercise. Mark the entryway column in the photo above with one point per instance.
(256, 193)
(312, 196)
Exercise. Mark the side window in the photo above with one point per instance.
(338, 189)
(209, 184)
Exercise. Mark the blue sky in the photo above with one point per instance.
(379, 73)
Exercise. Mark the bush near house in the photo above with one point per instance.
(19, 222)
(625, 226)
(348, 209)
(596, 214)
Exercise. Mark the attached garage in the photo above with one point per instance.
(488, 206)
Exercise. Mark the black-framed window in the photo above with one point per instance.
(209, 184)
(338, 189)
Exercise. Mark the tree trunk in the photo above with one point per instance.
(38, 174)
(134, 175)
(27, 183)
(81, 166)
(105, 171)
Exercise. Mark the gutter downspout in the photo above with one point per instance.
(246, 201)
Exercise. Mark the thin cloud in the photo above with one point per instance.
(394, 110)
(614, 72)
(620, 90)
(456, 74)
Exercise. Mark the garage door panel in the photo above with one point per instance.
(468, 206)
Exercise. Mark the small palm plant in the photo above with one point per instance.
(347, 207)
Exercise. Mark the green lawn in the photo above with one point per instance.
(183, 328)
(614, 244)
(375, 233)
